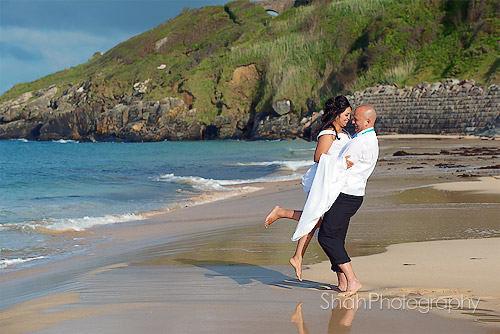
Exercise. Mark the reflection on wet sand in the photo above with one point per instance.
(341, 318)
(298, 319)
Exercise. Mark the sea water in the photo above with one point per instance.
(50, 188)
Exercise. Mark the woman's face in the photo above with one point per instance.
(344, 118)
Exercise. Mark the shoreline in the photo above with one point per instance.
(484, 185)
(385, 135)
(216, 241)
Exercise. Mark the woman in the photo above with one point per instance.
(331, 138)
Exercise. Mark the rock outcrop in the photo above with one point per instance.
(283, 107)
(277, 6)
(46, 116)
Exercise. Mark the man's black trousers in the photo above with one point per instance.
(333, 230)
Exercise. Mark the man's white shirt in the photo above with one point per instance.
(363, 150)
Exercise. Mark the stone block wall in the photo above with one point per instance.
(450, 107)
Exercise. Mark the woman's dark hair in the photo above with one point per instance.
(334, 106)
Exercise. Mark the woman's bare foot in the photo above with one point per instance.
(352, 288)
(296, 263)
(273, 216)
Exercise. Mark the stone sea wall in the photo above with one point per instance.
(450, 107)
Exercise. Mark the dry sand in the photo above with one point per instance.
(484, 185)
(214, 268)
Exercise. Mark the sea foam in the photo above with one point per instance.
(80, 224)
(4, 263)
(66, 141)
(201, 183)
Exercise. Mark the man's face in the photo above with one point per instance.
(360, 121)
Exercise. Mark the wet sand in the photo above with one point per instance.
(214, 268)
(455, 277)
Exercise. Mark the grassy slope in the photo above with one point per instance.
(308, 52)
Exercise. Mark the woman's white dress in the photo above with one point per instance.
(334, 151)
(322, 187)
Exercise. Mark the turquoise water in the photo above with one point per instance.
(48, 187)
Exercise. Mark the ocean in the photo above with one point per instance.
(49, 188)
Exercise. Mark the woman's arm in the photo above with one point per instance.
(324, 143)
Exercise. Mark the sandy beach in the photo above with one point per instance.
(427, 237)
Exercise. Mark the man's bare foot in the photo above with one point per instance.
(342, 282)
(297, 314)
(273, 216)
(352, 288)
(296, 263)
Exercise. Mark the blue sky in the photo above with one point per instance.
(39, 37)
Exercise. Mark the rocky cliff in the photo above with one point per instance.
(45, 116)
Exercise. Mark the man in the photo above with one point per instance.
(363, 149)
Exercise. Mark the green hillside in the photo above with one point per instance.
(306, 54)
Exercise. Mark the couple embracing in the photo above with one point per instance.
(335, 186)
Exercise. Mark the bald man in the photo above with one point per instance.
(363, 152)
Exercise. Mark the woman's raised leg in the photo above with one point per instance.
(296, 260)
(278, 212)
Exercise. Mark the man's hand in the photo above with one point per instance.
(349, 163)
